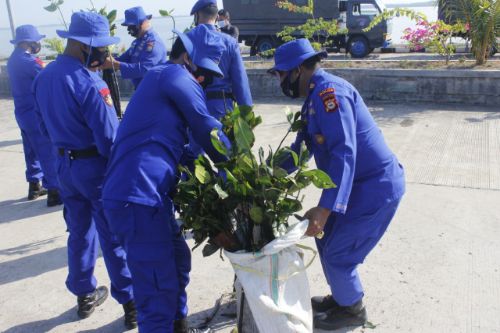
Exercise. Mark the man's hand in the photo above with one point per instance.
(317, 216)
(109, 63)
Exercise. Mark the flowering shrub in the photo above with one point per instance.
(436, 36)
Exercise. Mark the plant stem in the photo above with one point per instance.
(283, 140)
(62, 17)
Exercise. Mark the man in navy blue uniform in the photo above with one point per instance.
(78, 114)
(23, 66)
(146, 51)
(234, 85)
(347, 144)
(143, 171)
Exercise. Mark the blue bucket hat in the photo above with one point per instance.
(90, 29)
(188, 45)
(292, 54)
(207, 48)
(200, 4)
(27, 33)
(135, 16)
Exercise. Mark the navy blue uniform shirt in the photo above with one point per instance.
(76, 106)
(348, 145)
(235, 78)
(23, 67)
(151, 137)
(144, 53)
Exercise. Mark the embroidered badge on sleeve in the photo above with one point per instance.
(150, 46)
(40, 62)
(329, 100)
(106, 96)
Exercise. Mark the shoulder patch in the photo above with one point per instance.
(326, 91)
(329, 100)
(150, 45)
(40, 62)
(106, 96)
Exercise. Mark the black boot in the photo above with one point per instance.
(88, 303)
(181, 326)
(343, 316)
(53, 198)
(323, 303)
(36, 190)
(130, 315)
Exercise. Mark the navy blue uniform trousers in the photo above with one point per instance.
(159, 260)
(80, 189)
(39, 155)
(347, 241)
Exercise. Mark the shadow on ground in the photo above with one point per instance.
(47, 324)
(8, 143)
(31, 265)
(116, 326)
(19, 209)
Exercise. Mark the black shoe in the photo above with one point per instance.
(36, 190)
(88, 303)
(181, 326)
(130, 315)
(343, 316)
(323, 303)
(53, 198)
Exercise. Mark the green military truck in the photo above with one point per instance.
(260, 20)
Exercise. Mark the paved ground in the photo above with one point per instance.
(436, 270)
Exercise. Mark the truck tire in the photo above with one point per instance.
(493, 50)
(264, 44)
(358, 47)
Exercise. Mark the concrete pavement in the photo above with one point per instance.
(436, 270)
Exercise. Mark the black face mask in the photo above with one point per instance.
(133, 30)
(96, 57)
(35, 47)
(203, 76)
(291, 89)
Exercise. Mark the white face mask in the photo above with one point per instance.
(221, 24)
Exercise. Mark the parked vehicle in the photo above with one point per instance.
(260, 20)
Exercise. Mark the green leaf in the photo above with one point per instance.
(257, 214)
(112, 16)
(164, 12)
(280, 173)
(243, 135)
(289, 116)
(51, 8)
(201, 174)
(319, 178)
(230, 177)
(209, 249)
(222, 194)
(289, 205)
(60, 2)
(218, 145)
(298, 125)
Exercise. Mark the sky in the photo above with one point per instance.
(36, 15)
(32, 12)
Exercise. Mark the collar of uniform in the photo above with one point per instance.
(147, 34)
(210, 26)
(68, 59)
(313, 82)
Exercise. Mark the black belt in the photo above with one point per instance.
(219, 95)
(82, 153)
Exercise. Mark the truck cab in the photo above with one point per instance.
(260, 20)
